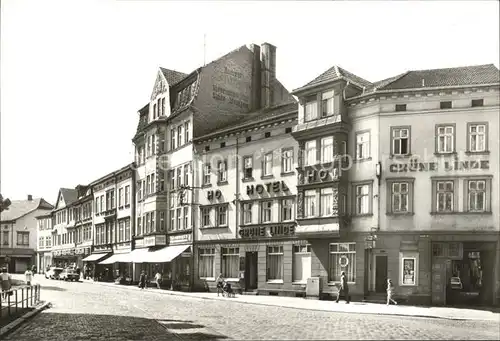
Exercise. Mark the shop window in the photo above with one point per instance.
(301, 263)
(230, 262)
(342, 258)
(206, 263)
(408, 275)
(275, 264)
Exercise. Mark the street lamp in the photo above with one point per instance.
(378, 171)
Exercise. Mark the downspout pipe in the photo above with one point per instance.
(237, 194)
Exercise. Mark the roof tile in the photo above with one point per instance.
(173, 77)
(19, 208)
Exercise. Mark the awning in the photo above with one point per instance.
(118, 258)
(318, 230)
(139, 255)
(166, 254)
(94, 257)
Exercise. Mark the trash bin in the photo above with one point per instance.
(314, 288)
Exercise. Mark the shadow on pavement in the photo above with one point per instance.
(52, 288)
(106, 328)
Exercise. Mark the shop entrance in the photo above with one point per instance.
(251, 270)
(380, 273)
(467, 278)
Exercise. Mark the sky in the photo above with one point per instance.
(74, 73)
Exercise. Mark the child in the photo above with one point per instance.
(29, 276)
(390, 291)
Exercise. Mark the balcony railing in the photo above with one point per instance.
(304, 125)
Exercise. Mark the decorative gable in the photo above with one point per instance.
(60, 201)
(160, 87)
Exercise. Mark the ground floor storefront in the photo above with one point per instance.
(17, 260)
(70, 257)
(44, 261)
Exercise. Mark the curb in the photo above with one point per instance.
(174, 293)
(17, 322)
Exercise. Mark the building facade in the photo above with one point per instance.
(44, 248)
(63, 224)
(19, 231)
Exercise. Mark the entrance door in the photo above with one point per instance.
(251, 270)
(380, 273)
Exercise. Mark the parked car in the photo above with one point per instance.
(69, 274)
(53, 272)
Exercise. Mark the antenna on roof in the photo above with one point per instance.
(204, 48)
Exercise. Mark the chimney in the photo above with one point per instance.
(256, 76)
(30, 197)
(268, 60)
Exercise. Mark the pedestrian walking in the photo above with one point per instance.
(158, 278)
(6, 280)
(29, 276)
(33, 269)
(142, 280)
(220, 283)
(390, 292)
(343, 289)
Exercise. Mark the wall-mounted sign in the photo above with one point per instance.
(211, 194)
(415, 166)
(154, 240)
(82, 251)
(270, 187)
(180, 239)
(318, 175)
(282, 230)
(343, 261)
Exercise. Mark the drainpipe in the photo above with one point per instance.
(237, 194)
(193, 227)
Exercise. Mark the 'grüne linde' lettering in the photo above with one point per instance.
(434, 166)
(267, 231)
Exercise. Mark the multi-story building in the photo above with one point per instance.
(113, 220)
(18, 233)
(433, 240)
(44, 248)
(181, 108)
(246, 202)
(63, 223)
(82, 217)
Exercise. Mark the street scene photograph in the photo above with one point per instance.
(249, 170)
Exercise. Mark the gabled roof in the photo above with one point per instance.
(69, 195)
(464, 75)
(173, 77)
(20, 208)
(337, 73)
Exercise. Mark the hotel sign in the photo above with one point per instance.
(282, 230)
(270, 187)
(415, 166)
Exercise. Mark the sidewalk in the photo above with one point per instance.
(353, 307)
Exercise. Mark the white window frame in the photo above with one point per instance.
(207, 170)
(180, 219)
(345, 249)
(180, 135)
(310, 153)
(326, 201)
(205, 214)
(248, 165)
(173, 139)
(187, 138)
(398, 191)
(264, 208)
(171, 226)
(473, 192)
(222, 171)
(267, 164)
(228, 252)
(247, 213)
(299, 251)
(446, 134)
(275, 251)
(287, 209)
(287, 160)
(362, 203)
(398, 135)
(477, 135)
(444, 192)
(311, 111)
(207, 253)
(310, 203)
(221, 212)
(363, 145)
(327, 149)
(185, 212)
(328, 102)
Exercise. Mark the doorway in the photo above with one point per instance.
(380, 273)
(251, 270)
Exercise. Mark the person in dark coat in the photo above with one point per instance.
(343, 289)
(142, 280)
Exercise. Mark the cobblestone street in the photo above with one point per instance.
(124, 314)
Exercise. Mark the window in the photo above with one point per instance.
(267, 134)
(148, 184)
(154, 110)
(187, 137)
(477, 137)
(326, 202)
(400, 141)
(172, 220)
(205, 217)
(287, 160)
(139, 194)
(288, 130)
(311, 111)
(248, 139)
(23, 238)
(247, 213)
(127, 229)
(267, 167)
(362, 199)
(172, 180)
(477, 102)
(179, 219)
(287, 209)
(310, 203)
(445, 105)
(476, 195)
(275, 263)
(173, 199)
(41, 241)
(445, 196)
(153, 145)
(400, 107)
(248, 167)
(222, 171)
(400, 197)
(172, 139)
(362, 145)
(121, 231)
(327, 149)
(120, 197)
(222, 215)
(206, 264)
(162, 221)
(186, 175)
(206, 174)
(5, 238)
(266, 211)
(310, 153)
(342, 258)
(179, 177)
(408, 274)
(230, 262)
(152, 189)
(163, 106)
(223, 144)
(301, 270)
(327, 107)
(207, 148)
(445, 136)
(186, 217)
(180, 136)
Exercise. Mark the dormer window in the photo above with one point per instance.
(311, 110)
(327, 104)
